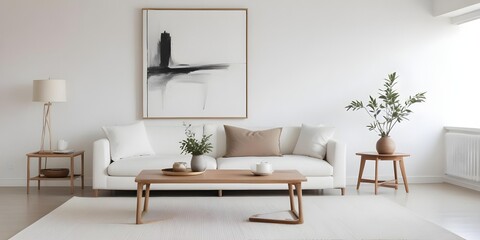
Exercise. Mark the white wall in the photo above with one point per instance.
(307, 60)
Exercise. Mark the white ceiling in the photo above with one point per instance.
(459, 11)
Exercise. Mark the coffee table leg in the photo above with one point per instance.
(139, 202)
(286, 217)
(292, 197)
(298, 188)
(147, 197)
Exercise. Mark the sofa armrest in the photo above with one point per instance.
(101, 160)
(336, 156)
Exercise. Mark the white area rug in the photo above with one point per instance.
(326, 217)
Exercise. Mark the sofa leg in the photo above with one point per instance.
(220, 193)
(343, 191)
(95, 192)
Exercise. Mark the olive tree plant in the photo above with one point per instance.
(387, 110)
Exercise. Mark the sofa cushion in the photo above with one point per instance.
(307, 166)
(134, 165)
(128, 141)
(242, 142)
(313, 141)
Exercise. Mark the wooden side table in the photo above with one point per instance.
(395, 157)
(45, 155)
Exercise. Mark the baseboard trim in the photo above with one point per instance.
(462, 182)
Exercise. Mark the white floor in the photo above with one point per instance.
(454, 208)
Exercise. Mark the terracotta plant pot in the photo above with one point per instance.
(385, 145)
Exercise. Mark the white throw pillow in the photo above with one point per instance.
(313, 141)
(128, 141)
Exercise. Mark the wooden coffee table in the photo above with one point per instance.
(290, 177)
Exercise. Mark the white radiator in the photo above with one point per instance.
(463, 155)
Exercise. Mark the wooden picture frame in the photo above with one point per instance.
(195, 63)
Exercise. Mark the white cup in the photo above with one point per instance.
(264, 167)
(62, 145)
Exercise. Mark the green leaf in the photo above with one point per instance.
(193, 146)
(390, 108)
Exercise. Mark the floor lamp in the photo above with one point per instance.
(48, 92)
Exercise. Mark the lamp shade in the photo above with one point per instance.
(51, 90)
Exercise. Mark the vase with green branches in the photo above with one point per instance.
(387, 111)
(196, 147)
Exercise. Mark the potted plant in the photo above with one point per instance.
(191, 145)
(386, 112)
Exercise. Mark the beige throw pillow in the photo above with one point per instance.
(242, 142)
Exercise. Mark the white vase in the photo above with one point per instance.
(198, 163)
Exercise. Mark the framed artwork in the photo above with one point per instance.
(194, 63)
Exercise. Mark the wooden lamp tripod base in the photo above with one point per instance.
(46, 127)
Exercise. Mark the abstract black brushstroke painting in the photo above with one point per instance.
(195, 63)
(167, 73)
(164, 51)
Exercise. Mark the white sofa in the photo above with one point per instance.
(120, 175)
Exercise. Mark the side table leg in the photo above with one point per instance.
(139, 202)
(39, 170)
(83, 171)
(360, 172)
(28, 175)
(395, 173)
(376, 176)
(72, 174)
(404, 175)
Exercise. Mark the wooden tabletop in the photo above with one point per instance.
(375, 154)
(52, 154)
(222, 176)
